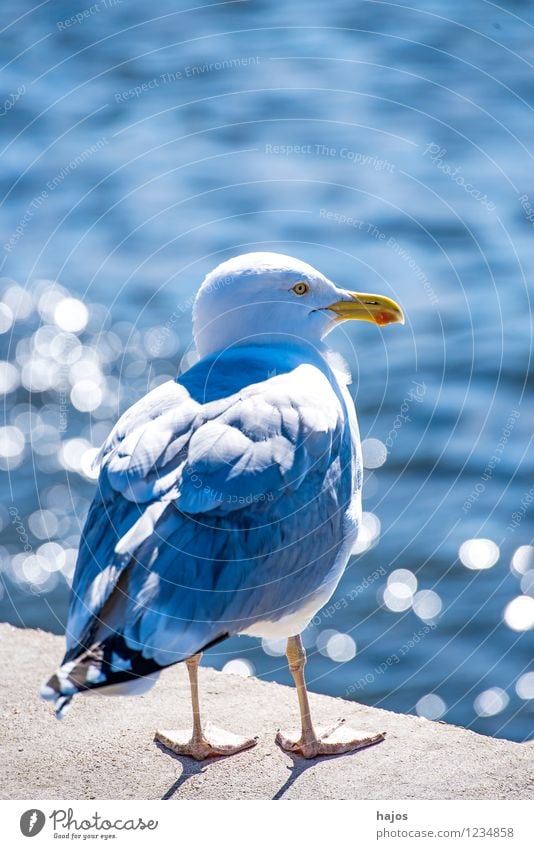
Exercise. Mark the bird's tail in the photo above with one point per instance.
(75, 675)
(110, 664)
(62, 704)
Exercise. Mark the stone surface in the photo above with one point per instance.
(104, 748)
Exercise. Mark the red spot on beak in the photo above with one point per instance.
(382, 318)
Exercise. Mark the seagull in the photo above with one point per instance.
(228, 500)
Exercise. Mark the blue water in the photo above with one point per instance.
(390, 146)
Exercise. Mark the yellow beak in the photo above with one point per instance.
(376, 308)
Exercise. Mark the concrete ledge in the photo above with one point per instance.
(104, 748)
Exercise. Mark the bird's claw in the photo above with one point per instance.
(214, 742)
(336, 740)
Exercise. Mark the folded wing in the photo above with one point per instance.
(214, 509)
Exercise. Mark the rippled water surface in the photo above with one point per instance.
(390, 146)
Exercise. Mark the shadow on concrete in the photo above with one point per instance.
(300, 765)
(190, 768)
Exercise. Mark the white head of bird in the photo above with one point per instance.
(256, 297)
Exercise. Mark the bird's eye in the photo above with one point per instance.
(300, 288)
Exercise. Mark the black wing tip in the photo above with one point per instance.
(62, 705)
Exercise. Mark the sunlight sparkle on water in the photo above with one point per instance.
(374, 453)
(323, 638)
(519, 613)
(86, 396)
(397, 596)
(523, 559)
(427, 605)
(403, 576)
(527, 583)
(19, 301)
(479, 553)
(12, 442)
(9, 378)
(491, 702)
(6, 318)
(368, 534)
(274, 648)
(340, 648)
(71, 315)
(239, 666)
(525, 686)
(431, 706)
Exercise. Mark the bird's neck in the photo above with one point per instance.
(225, 372)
